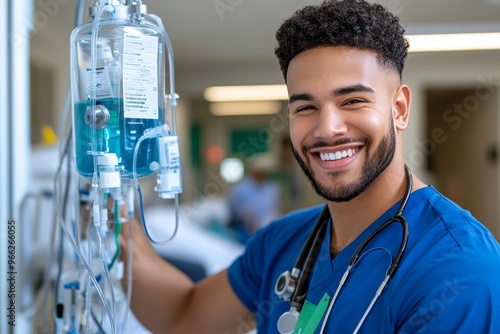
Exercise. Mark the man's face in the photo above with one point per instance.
(341, 119)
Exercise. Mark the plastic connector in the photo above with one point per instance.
(130, 202)
(72, 285)
(107, 159)
(158, 131)
(172, 99)
(96, 214)
(109, 173)
(109, 8)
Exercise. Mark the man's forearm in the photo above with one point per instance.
(160, 292)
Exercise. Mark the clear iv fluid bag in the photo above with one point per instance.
(128, 79)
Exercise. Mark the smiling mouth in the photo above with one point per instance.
(332, 156)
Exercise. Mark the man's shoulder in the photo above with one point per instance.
(460, 223)
(446, 238)
(433, 208)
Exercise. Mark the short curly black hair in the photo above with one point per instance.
(352, 23)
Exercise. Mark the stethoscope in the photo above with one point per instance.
(292, 286)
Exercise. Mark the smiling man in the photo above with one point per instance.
(385, 254)
(347, 113)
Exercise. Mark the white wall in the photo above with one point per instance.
(447, 69)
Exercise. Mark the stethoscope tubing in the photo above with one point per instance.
(355, 259)
(303, 266)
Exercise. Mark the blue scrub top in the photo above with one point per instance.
(448, 280)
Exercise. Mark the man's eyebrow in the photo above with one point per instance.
(337, 92)
(300, 97)
(352, 89)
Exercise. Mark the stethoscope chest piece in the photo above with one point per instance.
(285, 286)
(287, 321)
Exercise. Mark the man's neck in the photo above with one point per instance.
(350, 219)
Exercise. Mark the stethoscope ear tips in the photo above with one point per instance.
(287, 321)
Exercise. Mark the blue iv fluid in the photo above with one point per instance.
(119, 136)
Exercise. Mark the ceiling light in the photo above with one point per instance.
(454, 42)
(246, 93)
(245, 108)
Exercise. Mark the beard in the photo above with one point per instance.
(373, 167)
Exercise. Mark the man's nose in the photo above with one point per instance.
(330, 123)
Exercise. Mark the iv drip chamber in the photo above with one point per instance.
(117, 84)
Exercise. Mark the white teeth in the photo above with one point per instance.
(337, 155)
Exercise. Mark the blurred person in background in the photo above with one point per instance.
(255, 201)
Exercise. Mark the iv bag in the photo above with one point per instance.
(128, 96)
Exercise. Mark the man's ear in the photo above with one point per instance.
(401, 108)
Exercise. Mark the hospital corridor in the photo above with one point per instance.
(147, 143)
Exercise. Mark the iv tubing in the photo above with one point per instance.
(107, 277)
(171, 70)
(89, 270)
(87, 289)
(130, 256)
(118, 228)
(93, 97)
(173, 104)
(93, 93)
(141, 206)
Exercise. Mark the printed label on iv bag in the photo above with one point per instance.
(102, 83)
(140, 76)
(170, 162)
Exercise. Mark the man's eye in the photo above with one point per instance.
(353, 101)
(304, 108)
